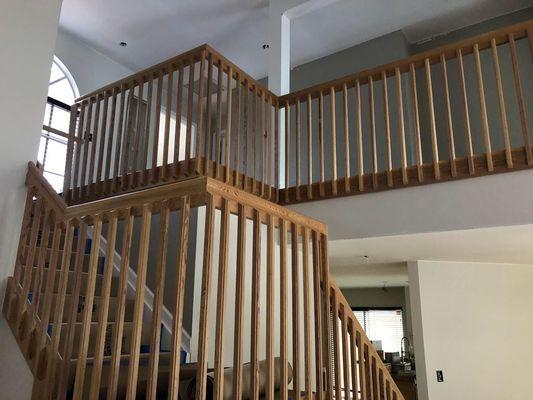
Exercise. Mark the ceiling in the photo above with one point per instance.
(159, 29)
(376, 261)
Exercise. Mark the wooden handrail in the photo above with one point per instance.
(500, 36)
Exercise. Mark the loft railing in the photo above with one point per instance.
(453, 112)
(194, 114)
(264, 311)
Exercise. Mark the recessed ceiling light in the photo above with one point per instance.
(123, 44)
(266, 46)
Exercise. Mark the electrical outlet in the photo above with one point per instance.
(440, 376)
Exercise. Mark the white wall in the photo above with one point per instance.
(28, 31)
(89, 68)
(473, 321)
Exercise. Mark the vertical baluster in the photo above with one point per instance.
(207, 267)
(237, 161)
(287, 149)
(373, 132)
(120, 134)
(390, 182)
(190, 105)
(362, 364)
(359, 133)
(96, 136)
(346, 139)
(133, 179)
(157, 119)
(297, 144)
(177, 318)
(353, 355)
(295, 311)
(449, 120)
(218, 135)
(370, 371)
(336, 347)
(375, 377)
(530, 40)
(307, 313)
(255, 308)
(325, 293)
(87, 311)
(333, 133)
(157, 310)
(229, 111)
(72, 140)
(345, 357)
(103, 311)
(245, 136)
(401, 124)
(86, 144)
(520, 99)
(221, 301)
(78, 154)
(501, 103)
(416, 122)
(309, 147)
(128, 137)
(269, 147)
(468, 134)
(483, 106)
(110, 141)
(270, 309)
(177, 128)
(144, 160)
(125, 257)
(168, 114)
(317, 297)
(138, 308)
(72, 312)
(284, 373)
(277, 145)
(262, 143)
(239, 303)
(208, 133)
(321, 141)
(103, 135)
(433, 126)
(199, 115)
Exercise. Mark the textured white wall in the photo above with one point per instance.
(473, 321)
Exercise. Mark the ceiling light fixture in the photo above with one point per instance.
(266, 46)
(123, 44)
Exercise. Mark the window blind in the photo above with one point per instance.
(384, 325)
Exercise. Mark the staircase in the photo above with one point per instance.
(192, 210)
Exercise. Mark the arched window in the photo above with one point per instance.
(62, 91)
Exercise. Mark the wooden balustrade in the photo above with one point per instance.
(439, 115)
(83, 324)
(196, 113)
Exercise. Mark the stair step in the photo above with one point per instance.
(86, 258)
(72, 281)
(113, 305)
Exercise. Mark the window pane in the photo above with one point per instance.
(55, 73)
(383, 325)
(60, 119)
(61, 91)
(55, 157)
(55, 180)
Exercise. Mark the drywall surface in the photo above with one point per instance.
(89, 68)
(28, 31)
(16, 379)
(496, 200)
(473, 322)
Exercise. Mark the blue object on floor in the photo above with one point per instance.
(88, 245)
(30, 296)
(183, 357)
(145, 348)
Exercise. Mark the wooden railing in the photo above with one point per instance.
(199, 114)
(449, 113)
(453, 112)
(259, 318)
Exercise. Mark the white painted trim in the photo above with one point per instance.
(166, 317)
